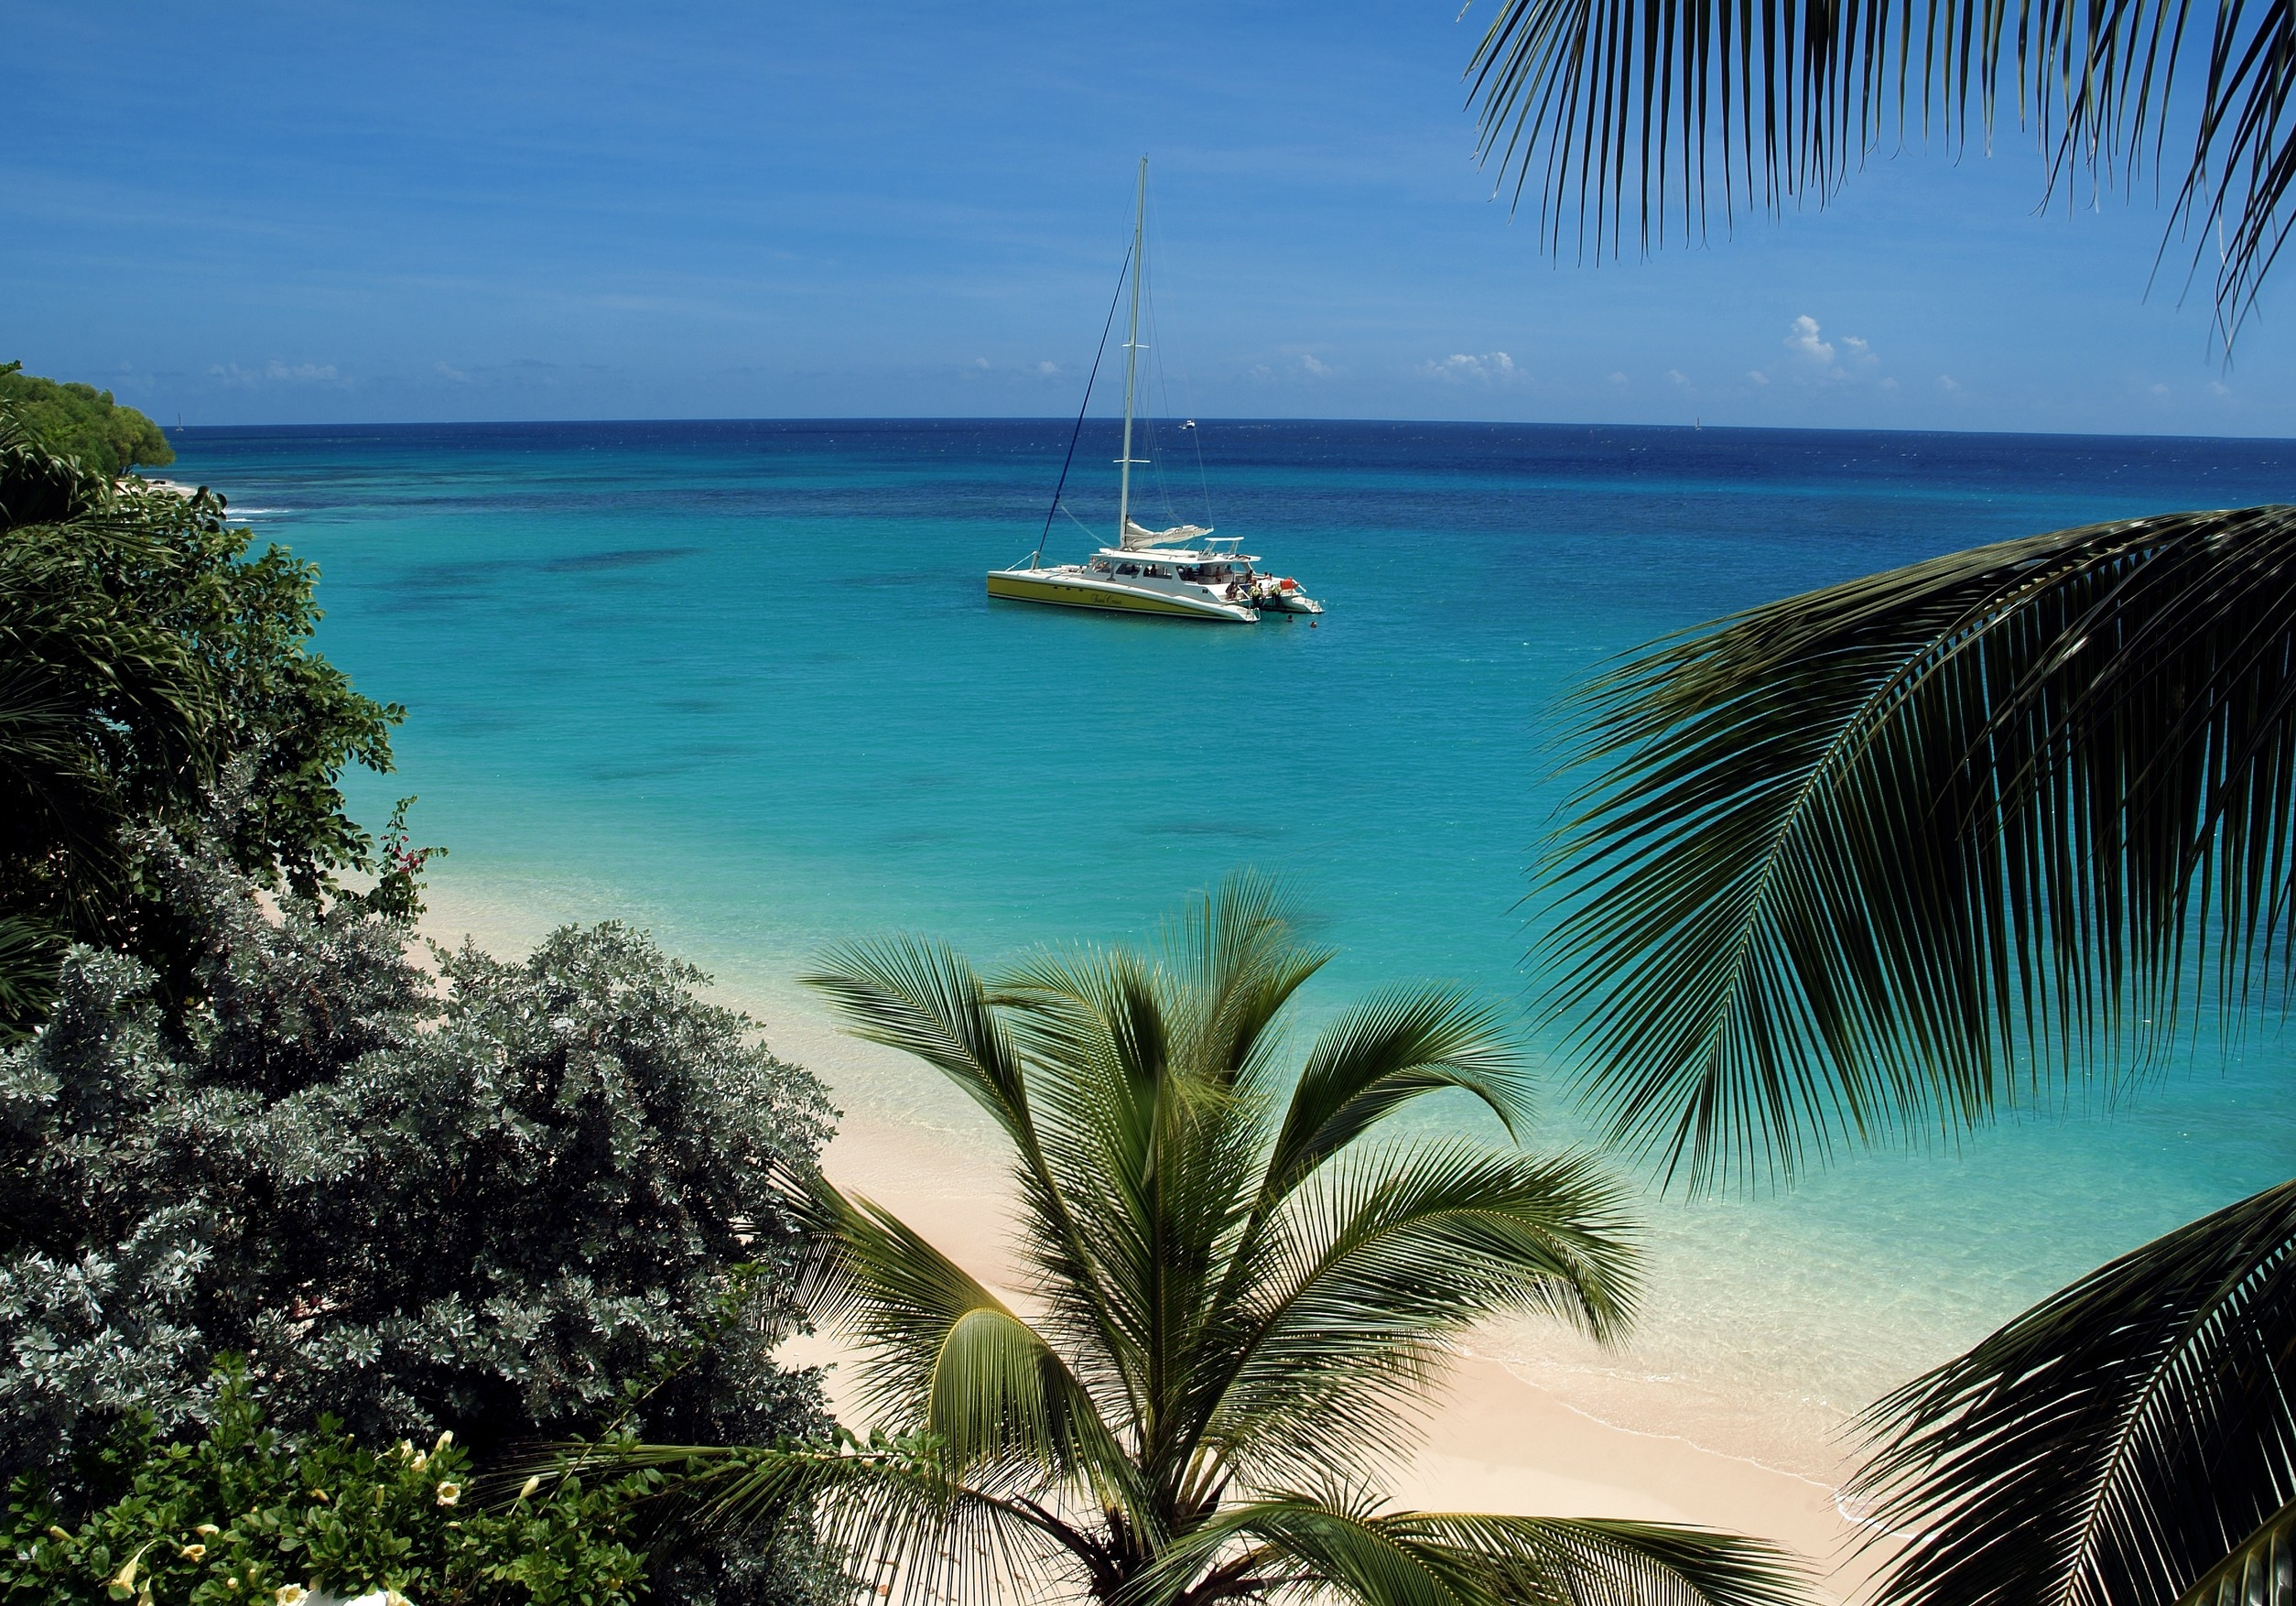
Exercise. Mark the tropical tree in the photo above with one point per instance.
(143, 653)
(1236, 1288)
(80, 421)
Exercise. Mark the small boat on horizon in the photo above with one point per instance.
(1181, 572)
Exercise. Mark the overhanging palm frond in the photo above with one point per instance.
(2261, 1572)
(1454, 1558)
(1615, 112)
(2111, 1445)
(1895, 855)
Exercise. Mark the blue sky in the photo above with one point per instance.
(322, 212)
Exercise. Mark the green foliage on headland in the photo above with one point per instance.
(80, 421)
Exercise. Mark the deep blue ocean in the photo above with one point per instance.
(739, 682)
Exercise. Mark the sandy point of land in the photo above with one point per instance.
(1498, 1438)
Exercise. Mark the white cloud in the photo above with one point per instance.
(1678, 377)
(1889, 385)
(2159, 389)
(1048, 368)
(1758, 376)
(1802, 341)
(981, 364)
(1459, 368)
(1321, 369)
(1948, 384)
(446, 372)
(1618, 379)
(1814, 355)
(2218, 387)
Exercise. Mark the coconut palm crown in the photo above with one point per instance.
(1236, 1290)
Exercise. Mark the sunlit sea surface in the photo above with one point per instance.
(739, 682)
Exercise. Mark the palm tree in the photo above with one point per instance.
(1236, 1292)
(1903, 852)
(1894, 856)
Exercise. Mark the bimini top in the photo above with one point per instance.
(1137, 538)
(1216, 563)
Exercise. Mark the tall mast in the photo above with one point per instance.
(1131, 359)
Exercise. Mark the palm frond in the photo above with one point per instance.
(1238, 951)
(890, 1507)
(1383, 1053)
(1148, 1078)
(1381, 1268)
(2112, 1445)
(31, 957)
(1616, 113)
(947, 1358)
(925, 1000)
(1891, 856)
(2261, 1572)
(1448, 1558)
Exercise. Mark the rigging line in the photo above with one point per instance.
(1078, 430)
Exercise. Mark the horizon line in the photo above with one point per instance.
(174, 431)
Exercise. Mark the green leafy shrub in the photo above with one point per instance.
(246, 1515)
(487, 1199)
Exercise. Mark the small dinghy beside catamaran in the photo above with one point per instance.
(1181, 572)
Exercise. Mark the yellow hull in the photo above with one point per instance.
(1020, 586)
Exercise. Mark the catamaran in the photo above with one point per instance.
(1183, 571)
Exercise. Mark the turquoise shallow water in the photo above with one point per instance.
(739, 682)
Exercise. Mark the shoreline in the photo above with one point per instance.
(1516, 1426)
